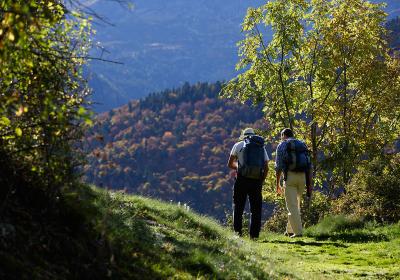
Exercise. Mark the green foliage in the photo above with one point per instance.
(334, 224)
(373, 193)
(43, 46)
(42, 50)
(312, 211)
(351, 229)
(277, 221)
(173, 145)
(326, 72)
(315, 209)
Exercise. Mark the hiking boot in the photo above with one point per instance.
(288, 233)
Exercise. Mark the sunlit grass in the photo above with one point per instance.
(160, 240)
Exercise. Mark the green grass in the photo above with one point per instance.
(97, 234)
(156, 240)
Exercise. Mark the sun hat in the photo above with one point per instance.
(246, 132)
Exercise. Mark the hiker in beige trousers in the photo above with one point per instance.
(293, 161)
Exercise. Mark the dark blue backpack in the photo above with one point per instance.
(253, 158)
(298, 159)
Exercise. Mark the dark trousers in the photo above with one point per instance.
(242, 188)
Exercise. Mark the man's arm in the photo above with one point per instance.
(232, 162)
(279, 166)
(278, 181)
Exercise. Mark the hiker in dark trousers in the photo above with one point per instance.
(293, 162)
(249, 159)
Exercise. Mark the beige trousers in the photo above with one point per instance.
(294, 188)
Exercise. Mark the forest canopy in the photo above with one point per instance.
(172, 145)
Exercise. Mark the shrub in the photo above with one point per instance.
(277, 222)
(334, 224)
(316, 209)
(373, 193)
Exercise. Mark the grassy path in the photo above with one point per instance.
(310, 258)
(157, 240)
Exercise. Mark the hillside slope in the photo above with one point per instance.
(97, 234)
(164, 44)
(165, 241)
(172, 145)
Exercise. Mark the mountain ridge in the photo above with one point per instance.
(165, 44)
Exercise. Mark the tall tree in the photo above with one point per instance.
(327, 73)
(43, 46)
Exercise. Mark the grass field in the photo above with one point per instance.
(157, 240)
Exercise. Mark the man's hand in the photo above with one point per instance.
(278, 182)
(278, 189)
(232, 162)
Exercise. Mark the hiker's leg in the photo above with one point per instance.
(292, 203)
(289, 229)
(239, 201)
(298, 182)
(300, 190)
(301, 183)
(255, 198)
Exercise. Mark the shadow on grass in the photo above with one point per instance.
(352, 237)
(306, 243)
(202, 257)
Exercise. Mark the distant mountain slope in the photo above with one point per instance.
(172, 145)
(166, 43)
(394, 28)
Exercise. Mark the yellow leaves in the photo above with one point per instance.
(85, 115)
(4, 121)
(8, 20)
(18, 131)
(81, 111)
(89, 122)
(21, 110)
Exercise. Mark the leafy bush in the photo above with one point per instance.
(334, 224)
(314, 210)
(42, 53)
(374, 194)
(277, 222)
(352, 229)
